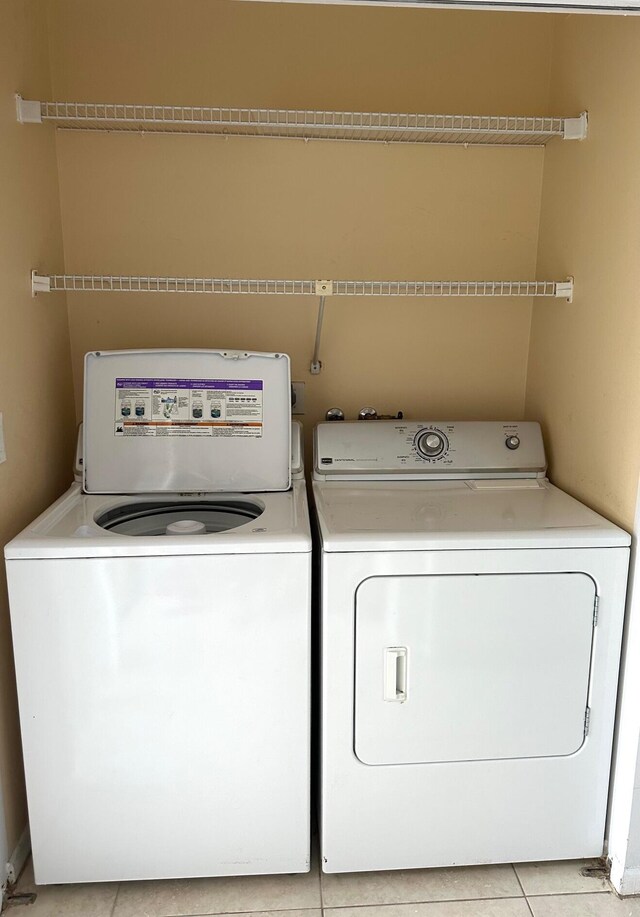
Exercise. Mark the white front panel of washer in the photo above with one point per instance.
(461, 668)
(186, 421)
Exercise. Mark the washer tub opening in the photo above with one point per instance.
(153, 518)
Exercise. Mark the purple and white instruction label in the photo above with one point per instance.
(188, 407)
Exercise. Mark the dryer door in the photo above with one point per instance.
(472, 667)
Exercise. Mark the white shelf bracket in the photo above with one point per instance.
(39, 284)
(576, 128)
(565, 290)
(323, 288)
(28, 112)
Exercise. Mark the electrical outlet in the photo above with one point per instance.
(297, 397)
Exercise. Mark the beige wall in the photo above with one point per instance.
(584, 361)
(36, 395)
(243, 207)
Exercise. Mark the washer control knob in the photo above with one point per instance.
(334, 414)
(367, 414)
(430, 444)
(512, 442)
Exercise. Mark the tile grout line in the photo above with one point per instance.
(338, 907)
(597, 891)
(278, 910)
(115, 900)
(601, 891)
(529, 908)
(426, 901)
(260, 910)
(273, 910)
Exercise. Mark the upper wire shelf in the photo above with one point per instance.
(385, 127)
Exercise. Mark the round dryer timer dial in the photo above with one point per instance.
(431, 443)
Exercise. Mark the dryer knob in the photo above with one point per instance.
(430, 444)
(512, 442)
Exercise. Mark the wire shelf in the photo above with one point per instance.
(444, 288)
(106, 283)
(386, 127)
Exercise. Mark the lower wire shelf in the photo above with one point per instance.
(106, 283)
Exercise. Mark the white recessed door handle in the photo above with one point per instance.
(395, 674)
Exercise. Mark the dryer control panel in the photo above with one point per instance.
(420, 450)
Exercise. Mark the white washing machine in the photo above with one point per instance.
(471, 627)
(161, 626)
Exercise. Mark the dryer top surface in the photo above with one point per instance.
(457, 515)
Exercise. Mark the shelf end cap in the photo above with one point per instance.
(564, 290)
(39, 284)
(28, 112)
(576, 128)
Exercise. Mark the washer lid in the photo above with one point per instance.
(184, 421)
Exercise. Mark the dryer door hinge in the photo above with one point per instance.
(596, 606)
(587, 720)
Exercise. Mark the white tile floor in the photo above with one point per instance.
(527, 890)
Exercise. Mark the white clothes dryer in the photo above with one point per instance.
(471, 620)
(161, 625)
